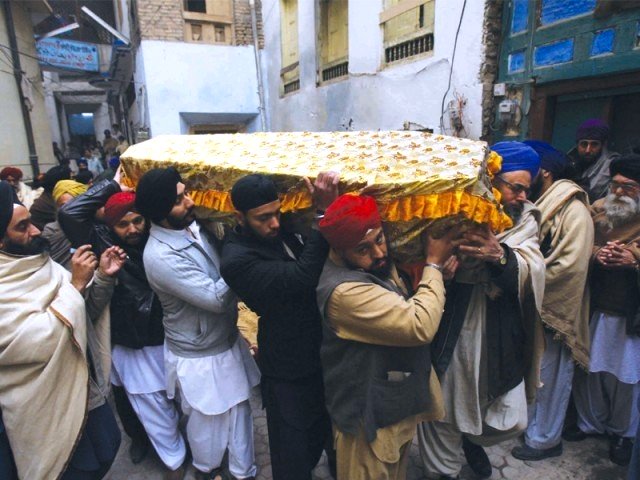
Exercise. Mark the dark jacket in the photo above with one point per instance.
(359, 389)
(136, 313)
(43, 210)
(281, 290)
(505, 333)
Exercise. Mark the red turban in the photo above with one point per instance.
(117, 207)
(10, 172)
(348, 219)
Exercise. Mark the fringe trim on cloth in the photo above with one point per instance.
(404, 209)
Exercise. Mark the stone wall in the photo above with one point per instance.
(491, 40)
(162, 20)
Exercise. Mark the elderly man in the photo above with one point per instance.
(137, 335)
(205, 358)
(566, 239)
(590, 159)
(606, 397)
(480, 351)
(52, 346)
(275, 274)
(375, 356)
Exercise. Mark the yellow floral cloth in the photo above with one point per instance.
(416, 177)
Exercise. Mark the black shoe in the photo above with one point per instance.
(476, 458)
(620, 450)
(573, 434)
(138, 450)
(447, 477)
(526, 452)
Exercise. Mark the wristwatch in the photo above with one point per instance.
(434, 265)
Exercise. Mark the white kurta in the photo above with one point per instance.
(464, 384)
(138, 370)
(213, 384)
(612, 350)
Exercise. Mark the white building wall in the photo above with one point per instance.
(101, 121)
(13, 137)
(375, 96)
(217, 84)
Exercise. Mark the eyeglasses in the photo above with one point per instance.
(516, 188)
(627, 187)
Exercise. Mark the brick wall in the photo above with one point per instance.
(162, 20)
(491, 40)
(242, 22)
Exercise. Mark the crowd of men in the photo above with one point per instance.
(103, 289)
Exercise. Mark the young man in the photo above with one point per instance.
(590, 159)
(375, 356)
(482, 350)
(205, 358)
(137, 335)
(275, 274)
(54, 346)
(566, 241)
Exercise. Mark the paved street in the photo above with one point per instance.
(587, 460)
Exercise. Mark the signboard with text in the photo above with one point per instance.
(68, 54)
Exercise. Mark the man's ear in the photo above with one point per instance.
(239, 217)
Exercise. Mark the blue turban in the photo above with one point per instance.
(551, 159)
(517, 156)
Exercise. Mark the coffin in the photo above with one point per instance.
(419, 180)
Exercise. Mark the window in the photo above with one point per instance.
(333, 39)
(290, 72)
(208, 21)
(407, 27)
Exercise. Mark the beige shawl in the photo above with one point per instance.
(44, 377)
(566, 218)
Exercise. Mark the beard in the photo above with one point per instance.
(514, 212)
(380, 268)
(179, 223)
(36, 246)
(619, 210)
(536, 188)
(250, 232)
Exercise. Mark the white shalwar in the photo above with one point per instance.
(215, 392)
(606, 397)
(141, 373)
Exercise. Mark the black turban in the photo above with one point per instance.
(7, 200)
(551, 159)
(53, 176)
(156, 193)
(253, 191)
(627, 166)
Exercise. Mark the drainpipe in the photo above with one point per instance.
(254, 31)
(17, 73)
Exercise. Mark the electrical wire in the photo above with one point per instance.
(453, 58)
